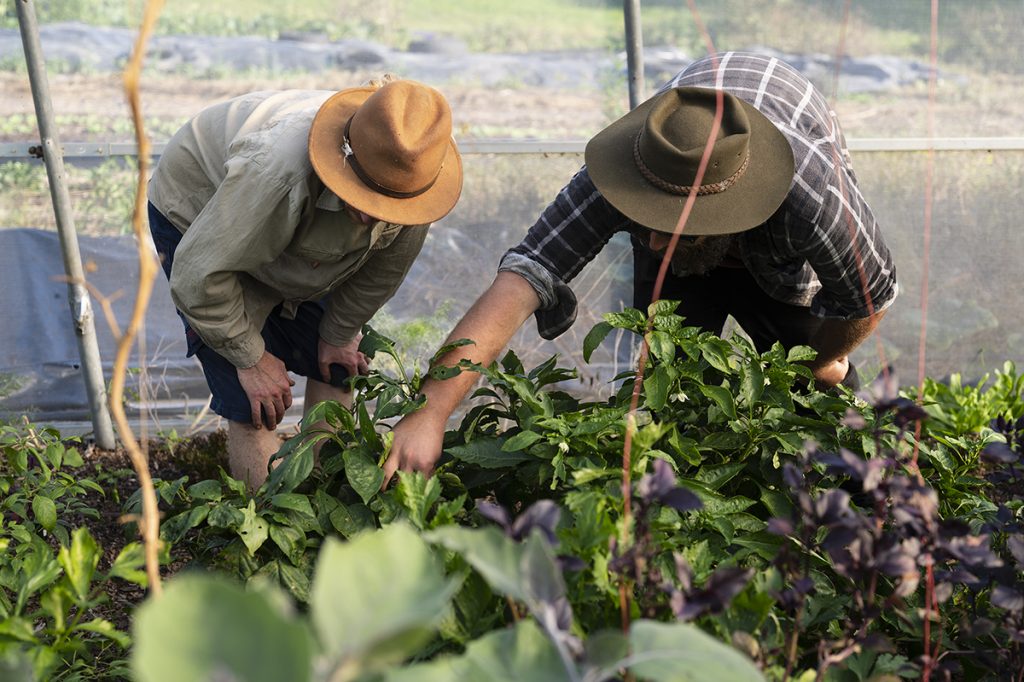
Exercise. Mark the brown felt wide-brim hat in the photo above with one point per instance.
(403, 138)
(673, 128)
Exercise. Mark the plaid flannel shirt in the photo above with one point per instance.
(821, 249)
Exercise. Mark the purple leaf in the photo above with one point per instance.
(542, 515)
(681, 499)
(1015, 543)
(493, 512)
(999, 453)
(1007, 598)
(655, 485)
(780, 526)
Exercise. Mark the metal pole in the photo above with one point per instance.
(78, 297)
(634, 52)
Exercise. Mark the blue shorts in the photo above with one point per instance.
(293, 341)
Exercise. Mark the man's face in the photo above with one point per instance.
(693, 255)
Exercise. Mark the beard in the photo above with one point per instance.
(702, 256)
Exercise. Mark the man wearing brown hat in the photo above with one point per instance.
(778, 234)
(284, 221)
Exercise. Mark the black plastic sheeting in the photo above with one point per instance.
(40, 371)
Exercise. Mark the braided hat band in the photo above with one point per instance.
(684, 190)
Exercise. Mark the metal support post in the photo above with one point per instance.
(78, 296)
(634, 52)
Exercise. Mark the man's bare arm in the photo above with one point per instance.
(490, 323)
(834, 341)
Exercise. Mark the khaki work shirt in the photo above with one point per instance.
(261, 229)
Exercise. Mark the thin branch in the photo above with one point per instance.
(150, 522)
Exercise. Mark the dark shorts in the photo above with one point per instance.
(707, 300)
(293, 341)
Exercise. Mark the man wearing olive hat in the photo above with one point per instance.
(284, 221)
(779, 235)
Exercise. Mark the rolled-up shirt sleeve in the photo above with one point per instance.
(356, 300)
(570, 232)
(244, 225)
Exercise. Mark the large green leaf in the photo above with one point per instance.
(514, 655)
(594, 338)
(377, 598)
(79, 561)
(680, 652)
(44, 511)
(487, 453)
(418, 494)
(254, 529)
(722, 397)
(362, 473)
(207, 628)
(497, 558)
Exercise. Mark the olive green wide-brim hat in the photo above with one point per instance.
(645, 164)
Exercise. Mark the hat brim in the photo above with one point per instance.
(754, 197)
(325, 153)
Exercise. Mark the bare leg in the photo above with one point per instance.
(318, 391)
(249, 452)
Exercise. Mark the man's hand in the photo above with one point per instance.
(267, 386)
(832, 373)
(347, 355)
(416, 446)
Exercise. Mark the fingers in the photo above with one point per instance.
(325, 372)
(390, 467)
(257, 419)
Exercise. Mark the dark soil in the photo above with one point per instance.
(199, 458)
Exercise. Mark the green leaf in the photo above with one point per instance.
(521, 441)
(208, 490)
(662, 346)
(377, 598)
(295, 467)
(129, 564)
(656, 388)
(79, 561)
(487, 453)
(512, 655)
(752, 382)
(722, 397)
(254, 529)
(175, 527)
(352, 520)
(418, 494)
(724, 441)
(801, 354)
(54, 454)
(679, 651)
(291, 541)
(630, 318)
(370, 436)
(106, 629)
(494, 556)
(72, 458)
(714, 477)
(362, 473)
(765, 545)
(716, 352)
(254, 640)
(225, 515)
(594, 338)
(44, 511)
(293, 501)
